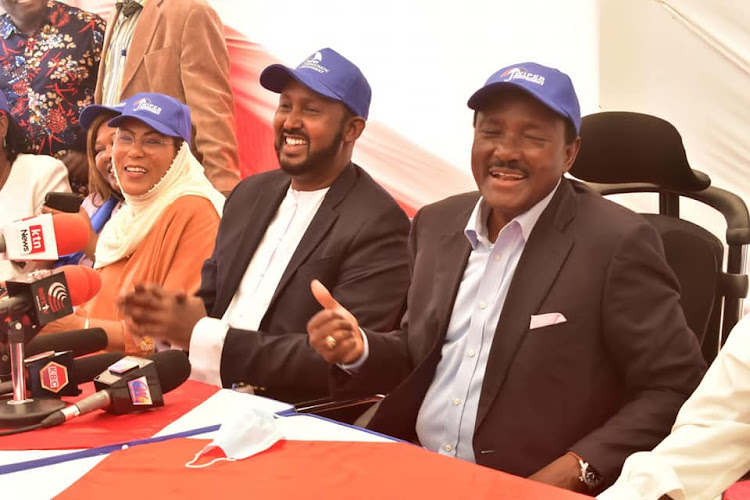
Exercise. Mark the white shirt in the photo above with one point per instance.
(709, 447)
(254, 294)
(31, 178)
(446, 419)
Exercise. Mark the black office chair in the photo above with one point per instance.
(623, 152)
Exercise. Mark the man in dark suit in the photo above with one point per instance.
(320, 216)
(543, 335)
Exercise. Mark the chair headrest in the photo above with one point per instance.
(623, 147)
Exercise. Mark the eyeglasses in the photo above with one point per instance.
(149, 145)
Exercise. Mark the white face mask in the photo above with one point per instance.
(243, 434)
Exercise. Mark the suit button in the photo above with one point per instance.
(448, 447)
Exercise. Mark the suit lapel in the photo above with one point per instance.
(544, 255)
(262, 209)
(144, 32)
(453, 254)
(105, 49)
(319, 226)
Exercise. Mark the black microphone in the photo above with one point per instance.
(81, 342)
(130, 385)
(40, 297)
(52, 375)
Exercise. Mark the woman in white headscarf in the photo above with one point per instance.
(167, 224)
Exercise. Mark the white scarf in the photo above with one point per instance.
(125, 231)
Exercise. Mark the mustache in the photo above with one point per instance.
(509, 164)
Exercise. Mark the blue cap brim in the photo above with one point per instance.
(89, 113)
(159, 127)
(276, 76)
(480, 96)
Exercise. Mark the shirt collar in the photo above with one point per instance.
(476, 227)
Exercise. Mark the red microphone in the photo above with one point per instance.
(44, 237)
(83, 283)
(40, 297)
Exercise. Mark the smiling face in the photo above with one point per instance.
(519, 154)
(313, 136)
(103, 153)
(141, 156)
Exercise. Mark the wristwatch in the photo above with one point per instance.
(588, 475)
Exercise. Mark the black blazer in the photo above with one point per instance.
(606, 383)
(355, 245)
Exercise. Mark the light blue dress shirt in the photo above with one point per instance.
(446, 419)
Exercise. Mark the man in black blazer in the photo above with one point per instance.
(543, 335)
(319, 217)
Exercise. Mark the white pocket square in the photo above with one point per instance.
(540, 320)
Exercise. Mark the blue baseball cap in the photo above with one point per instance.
(163, 113)
(551, 87)
(89, 113)
(329, 74)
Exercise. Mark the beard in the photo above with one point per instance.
(315, 160)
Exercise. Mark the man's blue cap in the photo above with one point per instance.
(549, 86)
(163, 113)
(89, 113)
(328, 73)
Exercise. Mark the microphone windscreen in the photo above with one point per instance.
(173, 368)
(71, 233)
(88, 367)
(81, 342)
(83, 283)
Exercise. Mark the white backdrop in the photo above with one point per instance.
(687, 61)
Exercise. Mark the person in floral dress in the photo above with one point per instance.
(49, 58)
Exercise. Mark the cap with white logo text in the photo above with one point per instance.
(163, 113)
(551, 87)
(328, 73)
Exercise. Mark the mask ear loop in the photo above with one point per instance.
(191, 464)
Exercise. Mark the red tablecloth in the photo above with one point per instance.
(101, 428)
(302, 469)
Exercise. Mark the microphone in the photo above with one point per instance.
(52, 374)
(81, 342)
(130, 385)
(44, 237)
(43, 296)
(33, 301)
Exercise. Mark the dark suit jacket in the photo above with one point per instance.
(178, 49)
(606, 383)
(355, 245)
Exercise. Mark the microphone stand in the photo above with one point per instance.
(22, 411)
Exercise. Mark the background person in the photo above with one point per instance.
(177, 48)
(165, 229)
(25, 179)
(104, 198)
(48, 65)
